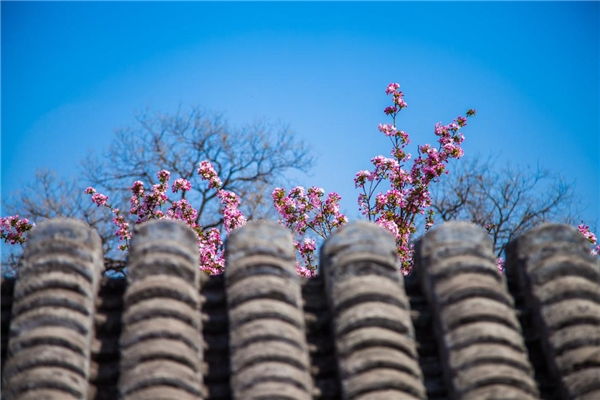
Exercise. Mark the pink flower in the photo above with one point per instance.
(399, 101)
(395, 195)
(304, 210)
(384, 163)
(210, 247)
(314, 197)
(308, 244)
(123, 231)
(390, 226)
(387, 129)
(305, 272)
(362, 176)
(181, 184)
(182, 210)
(500, 264)
(590, 237)
(389, 110)
(408, 195)
(163, 175)
(13, 229)
(233, 217)
(208, 173)
(137, 188)
(99, 199)
(391, 88)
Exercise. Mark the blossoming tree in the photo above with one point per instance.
(250, 159)
(394, 193)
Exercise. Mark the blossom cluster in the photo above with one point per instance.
(393, 194)
(232, 216)
(208, 173)
(13, 228)
(408, 195)
(590, 237)
(148, 204)
(305, 210)
(500, 264)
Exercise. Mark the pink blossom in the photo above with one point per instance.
(409, 196)
(590, 237)
(208, 173)
(123, 231)
(297, 191)
(306, 249)
(391, 110)
(306, 245)
(390, 226)
(232, 216)
(13, 229)
(387, 129)
(163, 175)
(440, 130)
(305, 272)
(585, 231)
(362, 176)
(99, 199)
(403, 194)
(314, 196)
(399, 101)
(500, 264)
(404, 139)
(384, 164)
(182, 210)
(210, 247)
(181, 184)
(452, 127)
(391, 88)
(137, 188)
(304, 210)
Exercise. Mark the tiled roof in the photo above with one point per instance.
(456, 328)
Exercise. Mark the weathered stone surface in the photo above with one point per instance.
(452, 329)
(472, 310)
(559, 282)
(269, 352)
(53, 305)
(367, 299)
(161, 343)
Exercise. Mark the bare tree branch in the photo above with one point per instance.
(49, 196)
(507, 201)
(251, 161)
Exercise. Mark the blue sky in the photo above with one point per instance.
(74, 72)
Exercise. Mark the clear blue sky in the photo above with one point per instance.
(73, 72)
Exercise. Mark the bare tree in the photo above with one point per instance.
(507, 201)
(250, 161)
(50, 196)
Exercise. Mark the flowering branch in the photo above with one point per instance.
(585, 231)
(308, 213)
(12, 229)
(147, 205)
(408, 195)
(304, 210)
